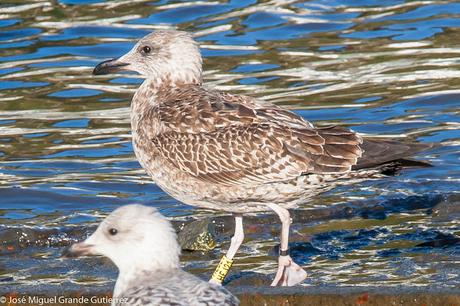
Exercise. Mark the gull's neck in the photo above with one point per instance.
(167, 75)
(127, 278)
(148, 95)
(152, 87)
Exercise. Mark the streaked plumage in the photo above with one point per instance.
(143, 245)
(177, 288)
(231, 152)
(226, 152)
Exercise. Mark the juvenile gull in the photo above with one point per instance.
(235, 153)
(143, 245)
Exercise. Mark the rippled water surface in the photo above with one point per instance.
(388, 68)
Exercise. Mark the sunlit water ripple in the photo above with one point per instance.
(385, 68)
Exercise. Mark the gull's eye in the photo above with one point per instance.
(113, 231)
(146, 50)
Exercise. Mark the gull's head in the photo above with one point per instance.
(133, 237)
(164, 55)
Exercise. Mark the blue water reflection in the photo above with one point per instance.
(382, 68)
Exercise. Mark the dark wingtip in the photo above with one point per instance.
(411, 163)
(394, 167)
(380, 153)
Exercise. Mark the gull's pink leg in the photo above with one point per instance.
(226, 261)
(289, 273)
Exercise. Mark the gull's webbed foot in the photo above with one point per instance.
(289, 273)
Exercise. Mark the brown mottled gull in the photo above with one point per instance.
(143, 245)
(234, 153)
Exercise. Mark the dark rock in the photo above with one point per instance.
(199, 235)
(53, 237)
(247, 278)
(301, 252)
(441, 241)
(7, 279)
(448, 209)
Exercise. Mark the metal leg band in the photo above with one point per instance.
(284, 252)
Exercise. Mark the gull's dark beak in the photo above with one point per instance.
(78, 249)
(109, 66)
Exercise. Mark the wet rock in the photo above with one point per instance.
(199, 235)
(411, 203)
(368, 209)
(15, 238)
(335, 211)
(247, 278)
(448, 209)
(388, 253)
(375, 212)
(441, 241)
(301, 252)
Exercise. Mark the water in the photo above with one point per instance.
(388, 68)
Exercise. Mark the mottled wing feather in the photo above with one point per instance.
(230, 139)
(232, 155)
(211, 295)
(341, 147)
(178, 290)
(191, 111)
(141, 296)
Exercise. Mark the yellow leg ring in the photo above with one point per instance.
(222, 269)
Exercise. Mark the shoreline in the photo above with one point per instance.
(261, 295)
